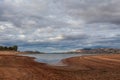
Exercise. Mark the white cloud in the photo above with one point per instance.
(57, 38)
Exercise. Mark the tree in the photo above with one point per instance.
(11, 48)
(5, 48)
(1, 47)
(15, 47)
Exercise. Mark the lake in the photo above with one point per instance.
(52, 58)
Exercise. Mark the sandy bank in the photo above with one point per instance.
(9, 52)
(25, 68)
(107, 61)
(106, 67)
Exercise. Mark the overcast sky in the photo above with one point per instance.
(60, 25)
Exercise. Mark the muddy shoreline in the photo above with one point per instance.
(103, 67)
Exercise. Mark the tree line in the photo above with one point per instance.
(11, 48)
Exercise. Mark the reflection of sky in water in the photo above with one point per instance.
(51, 58)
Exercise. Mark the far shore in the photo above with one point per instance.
(9, 52)
(96, 67)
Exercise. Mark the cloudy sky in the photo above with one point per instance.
(60, 25)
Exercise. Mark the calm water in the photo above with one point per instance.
(51, 58)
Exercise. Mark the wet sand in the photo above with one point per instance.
(103, 67)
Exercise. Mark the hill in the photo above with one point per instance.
(97, 51)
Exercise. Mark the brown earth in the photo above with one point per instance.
(9, 52)
(104, 67)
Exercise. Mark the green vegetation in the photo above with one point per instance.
(11, 48)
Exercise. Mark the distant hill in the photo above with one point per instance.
(97, 51)
(33, 52)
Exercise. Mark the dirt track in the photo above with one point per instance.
(106, 67)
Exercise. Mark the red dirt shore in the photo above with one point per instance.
(103, 67)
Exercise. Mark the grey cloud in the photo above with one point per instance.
(62, 24)
(93, 11)
(76, 37)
